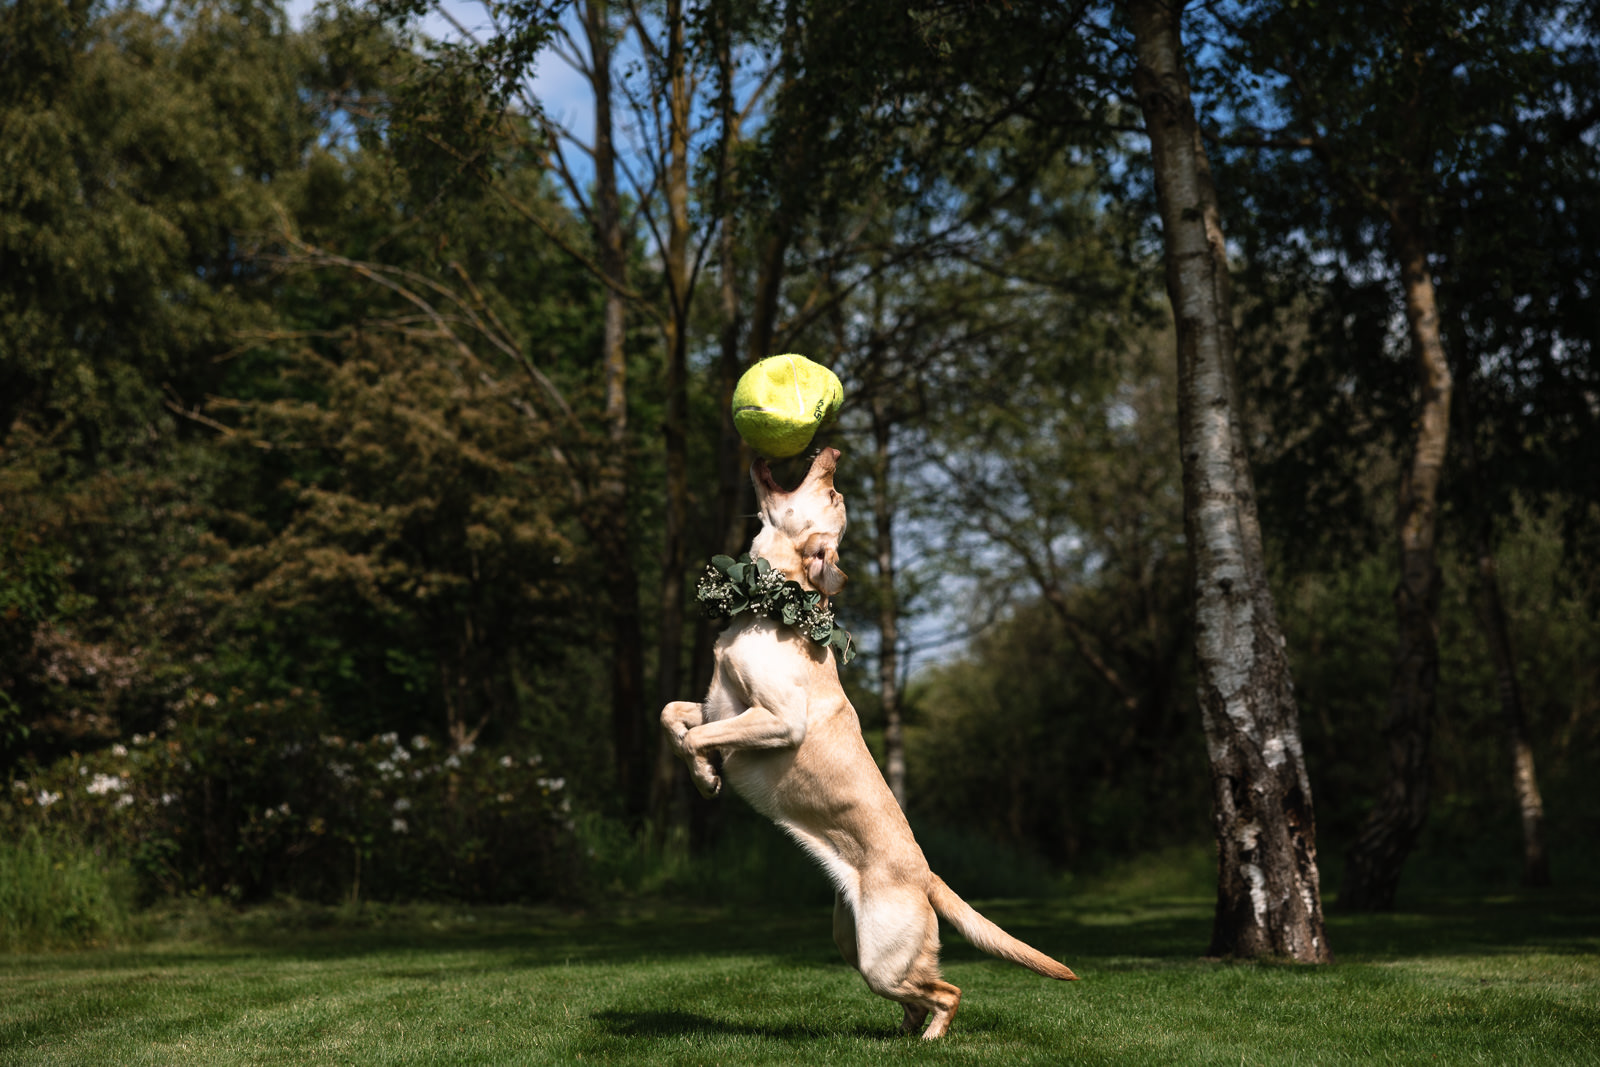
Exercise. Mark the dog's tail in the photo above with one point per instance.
(989, 937)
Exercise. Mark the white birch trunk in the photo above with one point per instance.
(1268, 892)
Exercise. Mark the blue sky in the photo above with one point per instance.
(562, 90)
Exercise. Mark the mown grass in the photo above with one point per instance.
(1452, 979)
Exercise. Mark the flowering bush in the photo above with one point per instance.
(248, 798)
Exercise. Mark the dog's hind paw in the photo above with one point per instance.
(706, 779)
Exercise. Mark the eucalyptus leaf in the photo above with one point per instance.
(732, 587)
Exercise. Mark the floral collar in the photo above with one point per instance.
(732, 587)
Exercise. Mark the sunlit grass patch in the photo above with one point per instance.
(1460, 981)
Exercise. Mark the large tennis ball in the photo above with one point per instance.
(780, 401)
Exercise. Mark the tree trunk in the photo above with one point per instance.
(735, 499)
(894, 749)
(725, 535)
(674, 423)
(774, 245)
(1491, 613)
(1524, 782)
(610, 525)
(1374, 863)
(1268, 895)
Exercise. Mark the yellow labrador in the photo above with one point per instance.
(791, 745)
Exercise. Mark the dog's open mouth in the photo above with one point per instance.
(824, 463)
(764, 474)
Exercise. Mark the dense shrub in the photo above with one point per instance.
(246, 799)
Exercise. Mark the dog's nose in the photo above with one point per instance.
(826, 462)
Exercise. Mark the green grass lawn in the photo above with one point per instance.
(1505, 979)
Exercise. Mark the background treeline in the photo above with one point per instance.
(362, 429)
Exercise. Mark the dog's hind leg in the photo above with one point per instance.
(898, 945)
(844, 935)
(844, 930)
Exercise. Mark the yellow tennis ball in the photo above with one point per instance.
(781, 401)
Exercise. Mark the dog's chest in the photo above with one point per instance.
(759, 664)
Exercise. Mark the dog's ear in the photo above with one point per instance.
(819, 555)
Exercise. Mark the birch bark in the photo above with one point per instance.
(1268, 893)
(1375, 860)
(1524, 779)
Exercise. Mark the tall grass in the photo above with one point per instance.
(754, 862)
(56, 892)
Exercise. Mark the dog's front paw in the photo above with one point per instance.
(677, 719)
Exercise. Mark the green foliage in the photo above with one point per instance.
(57, 892)
(299, 408)
(245, 799)
(33, 590)
(380, 522)
(982, 866)
(135, 617)
(421, 514)
(750, 862)
(135, 164)
(1339, 643)
(1019, 741)
(1331, 147)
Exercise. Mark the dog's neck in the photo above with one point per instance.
(777, 548)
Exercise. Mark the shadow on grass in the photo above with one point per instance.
(1108, 932)
(659, 1024)
(1557, 922)
(791, 936)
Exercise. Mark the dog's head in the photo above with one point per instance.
(801, 528)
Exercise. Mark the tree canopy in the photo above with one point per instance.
(363, 426)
